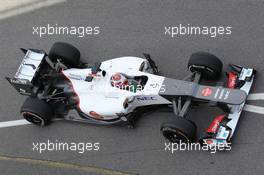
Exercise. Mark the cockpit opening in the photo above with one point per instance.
(129, 83)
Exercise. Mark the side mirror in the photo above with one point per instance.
(96, 67)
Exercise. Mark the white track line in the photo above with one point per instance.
(18, 123)
(249, 108)
(28, 8)
(256, 96)
(9, 4)
(253, 108)
(13, 123)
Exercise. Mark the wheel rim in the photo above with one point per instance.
(175, 135)
(33, 118)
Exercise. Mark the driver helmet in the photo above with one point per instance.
(119, 79)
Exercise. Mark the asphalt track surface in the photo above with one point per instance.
(131, 28)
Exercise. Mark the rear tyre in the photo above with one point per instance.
(67, 53)
(207, 64)
(37, 111)
(178, 129)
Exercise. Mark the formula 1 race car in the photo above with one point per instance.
(117, 91)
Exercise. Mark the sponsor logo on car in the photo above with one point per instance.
(232, 77)
(226, 95)
(18, 81)
(206, 91)
(74, 76)
(146, 98)
(214, 125)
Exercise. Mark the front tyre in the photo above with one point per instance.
(207, 64)
(178, 130)
(37, 111)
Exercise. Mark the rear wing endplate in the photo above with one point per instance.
(26, 72)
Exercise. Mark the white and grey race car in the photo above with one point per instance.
(117, 91)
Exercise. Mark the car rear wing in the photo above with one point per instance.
(26, 73)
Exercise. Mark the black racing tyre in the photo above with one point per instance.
(178, 129)
(69, 54)
(207, 64)
(37, 111)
